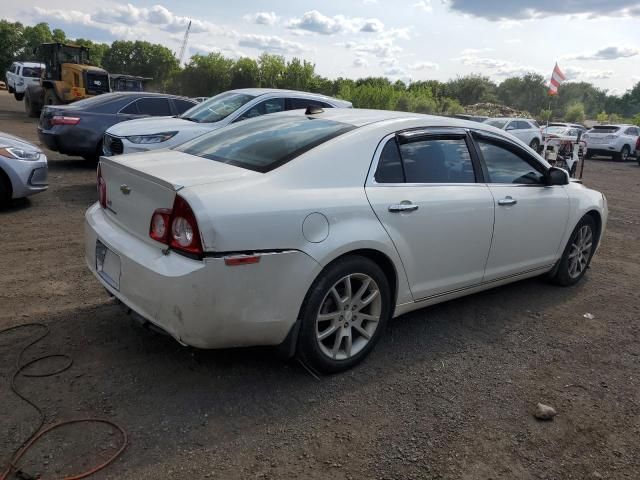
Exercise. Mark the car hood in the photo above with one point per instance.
(7, 140)
(150, 126)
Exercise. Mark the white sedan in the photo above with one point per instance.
(310, 230)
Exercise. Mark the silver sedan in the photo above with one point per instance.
(23, 168)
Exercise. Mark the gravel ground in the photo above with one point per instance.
(448, 393)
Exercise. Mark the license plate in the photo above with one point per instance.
(108, 265)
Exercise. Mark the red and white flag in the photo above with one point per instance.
(557, 77)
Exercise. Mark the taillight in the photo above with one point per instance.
(102, 188)
(60, 120)
(177, 227)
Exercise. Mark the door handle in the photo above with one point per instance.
(403, 207)
(507, 201)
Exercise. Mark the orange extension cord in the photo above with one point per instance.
(40, 432)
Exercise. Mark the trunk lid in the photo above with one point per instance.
(138, 184)
(49, 111)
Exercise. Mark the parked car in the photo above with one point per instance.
(23, 169)
(214, 113)
(310, 230)
(638, 150)
(526, 130)
(22, 74)
(78, 128)
(567, 130)
(617, 141)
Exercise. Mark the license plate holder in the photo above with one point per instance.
(108, 265)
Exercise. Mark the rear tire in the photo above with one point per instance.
(50, 97)
(578, 253)
(344, 314)
(19, 96)
(588, 154)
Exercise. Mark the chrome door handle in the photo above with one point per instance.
(507, 201)
(403, 207)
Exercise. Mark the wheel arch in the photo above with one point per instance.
(5, 180)
(597, 218)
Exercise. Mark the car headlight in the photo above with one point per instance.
(19, 153)
(155, 138)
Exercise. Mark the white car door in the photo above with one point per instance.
(631, 137)
(427, 190)
(530, 217)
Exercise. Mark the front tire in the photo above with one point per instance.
(344, 314)
(5, 190)
(578, 253)
(535, 144)
(18, 96)
(50, 97)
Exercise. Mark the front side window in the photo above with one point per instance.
(437, 160)
(496, 123)
(154, 106)
(265, 143)
(506, 166)
(271, 105)
(31, 72)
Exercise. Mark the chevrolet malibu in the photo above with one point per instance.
(310, 230)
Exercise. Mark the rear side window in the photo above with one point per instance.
(265, 143)
(437, 160)
(131, 109)
(390, 164)
(182, 105)
(154, 106)
(604, 129)
(504, 165)
(272, 105)
(303, 103)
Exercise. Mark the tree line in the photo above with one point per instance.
(207, 75)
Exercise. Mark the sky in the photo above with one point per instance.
(592, 40)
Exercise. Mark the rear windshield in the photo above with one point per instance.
(33, 72)
(264, 144)
(216, 108)
(496, 123)
(605, 129)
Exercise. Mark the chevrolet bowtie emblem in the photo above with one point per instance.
(124, 188)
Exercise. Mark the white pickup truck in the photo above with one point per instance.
(22, 74)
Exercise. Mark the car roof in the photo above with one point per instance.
(256, 92)
(30, 64)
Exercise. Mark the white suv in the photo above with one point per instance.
(22, 74)
(524, 129)
(618, 141)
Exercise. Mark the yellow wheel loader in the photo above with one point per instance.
(67, 77)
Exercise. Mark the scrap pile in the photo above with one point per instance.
(495, 110)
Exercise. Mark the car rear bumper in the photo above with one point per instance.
(27, 176)
(70, 140)
(203, 303)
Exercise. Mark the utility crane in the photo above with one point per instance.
(183, 48)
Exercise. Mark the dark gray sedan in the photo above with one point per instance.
(77, 129)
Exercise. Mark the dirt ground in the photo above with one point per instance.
(447, 394)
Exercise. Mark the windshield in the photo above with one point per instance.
(33, 72)
(264, 143)
(496, 123)
(217, 108)
(558, 130)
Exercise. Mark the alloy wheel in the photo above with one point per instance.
(580, 251)
(348, 316)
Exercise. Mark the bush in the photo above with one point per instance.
(575, 113)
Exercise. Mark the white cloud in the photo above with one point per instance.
(424, 5)
(269, 43)
(607, 53)
(509, 24)
(585, 74)
(262, 18)
(316, 22)
(369, 2)
(382, 48)
(360, 62)
(423, 66)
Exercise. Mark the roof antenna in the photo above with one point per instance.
(311, 110)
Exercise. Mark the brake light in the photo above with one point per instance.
(102, 188)
(177, 227)
(60, 120)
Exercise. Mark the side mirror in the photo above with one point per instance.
(556, 176)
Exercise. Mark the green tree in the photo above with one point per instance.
(298, 75)
(97, 51)
(11, 43)
(636, 119)
(141, 58)
(471, 89)
(528, 92)
(245, 73)
(58, 35)
(545, 115)
(33, 38)
(206, 75)
(272, 69)
(575, 113)
(602, 117)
